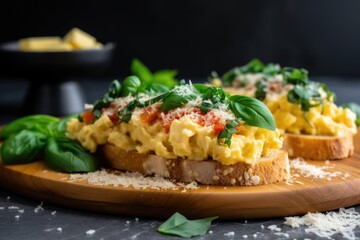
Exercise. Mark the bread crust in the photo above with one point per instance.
(313, 147)
(271, 169)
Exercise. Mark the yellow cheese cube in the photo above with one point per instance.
(80, 39)
(38, 43)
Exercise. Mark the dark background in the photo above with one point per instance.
(196, 37)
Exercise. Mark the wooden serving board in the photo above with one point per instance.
(36, 181)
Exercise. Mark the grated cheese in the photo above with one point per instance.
(90, 232)
(274, 228)
(229, 234)
(280, 234)
(129, 179)
(326, 225)
(39, 208)
(312, 171)
(13, 208)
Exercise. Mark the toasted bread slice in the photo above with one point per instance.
(273, 168)
(313, 147)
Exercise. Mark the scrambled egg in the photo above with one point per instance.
(185, 139)
(329, 120)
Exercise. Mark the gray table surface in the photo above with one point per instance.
(19, 221)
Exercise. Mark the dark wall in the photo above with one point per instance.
(198, 36)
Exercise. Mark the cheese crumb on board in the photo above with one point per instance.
(326, 225)
(311, 171)
(129, 179)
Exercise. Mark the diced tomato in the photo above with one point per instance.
(213, 120)
(88, 117)
(150, 114)
(114, 117)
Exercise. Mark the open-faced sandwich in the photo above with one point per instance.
(313, 125)
(192, 132)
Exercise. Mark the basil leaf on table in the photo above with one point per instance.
(23, 147)
(179, 225)
(66, 155)
(252, 112)
(33, 122)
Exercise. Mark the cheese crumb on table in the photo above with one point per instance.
(39, 208)
(90, 232)
(274, 228)
(229, 234)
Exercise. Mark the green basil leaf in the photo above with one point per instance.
(330, 96)
(126, 113)
(271, 69)
(165, 77)
(355, 108)
(230, 76)
(141, 71)
(66, 155)
(201, 88)
(174, 100)
(155, 88)
(295, 76)
(23, 147)
(61, 127)
(260, 92)
(254, 66)
(252, 111)
(178, 225)
(130, 86)
(229, 130)
(33, 122)
(115, 89)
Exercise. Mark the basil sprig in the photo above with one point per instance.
(179, 225)
(149, 80)
(29, 138)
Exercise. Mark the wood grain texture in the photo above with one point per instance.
(274, 200)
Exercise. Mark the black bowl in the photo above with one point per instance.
(57, 65)
(51, 74)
